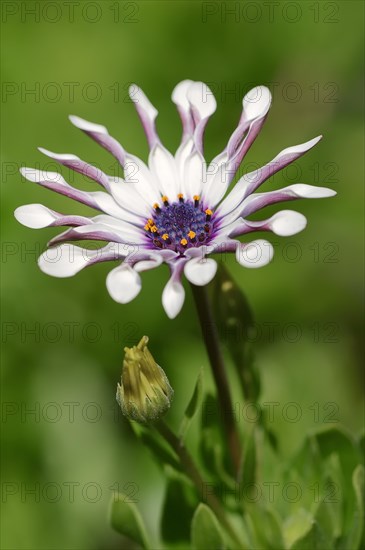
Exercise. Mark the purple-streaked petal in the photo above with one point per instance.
(99, 232)
(254, 254)
(101, 135)
(257, 201)
(256, 105)
(200, 271)
(95, 199)
(180, 98)
(250, 182)
(67, 260)
(146, 112)
(203, 105)
(285, 224)
(123, 283)
(37, 216)
(149, 262)
(80, 166)
(223, 168)
(173, 294)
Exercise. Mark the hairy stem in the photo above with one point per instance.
(193, 473)
(211, 339)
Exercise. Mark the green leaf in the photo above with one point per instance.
(193, 406)
(329, 513)
(126, 519)
(338, 441)
(297, 526)
(248, 467)
(314, 539)
(355, 538)
(266, 526)
(212, 445)
(235, 325)
(178, 510)
(205, 530)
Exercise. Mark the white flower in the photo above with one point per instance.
(175, 209)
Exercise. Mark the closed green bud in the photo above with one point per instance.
(144, 394)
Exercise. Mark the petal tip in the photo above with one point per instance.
(87, 126)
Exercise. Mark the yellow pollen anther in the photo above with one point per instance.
(180, 196)
(165, 236)
(154, 229)
(196, 197)
(156, 205)
(191, 234)
(147, 226)
(184, 242)
(150, 221)
(164, 199)
(208, 212)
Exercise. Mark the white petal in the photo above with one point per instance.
(200, 271)
(163, 167)
(142, 102)
(254, 254)
(194, 174)
(173, 297)
(37, 176)
(298, 149)
(123, 284)
(101, 135)
(137, 173)
(107, 204)
(146, 111)
(287, 223)
(179, 94)
(201, 100)
(256, 102)
(35, 216)
(58, 156)
(145, 265)
(127, 196)
(65, 260)
(184, 150)
(311, 191)
(87, 126)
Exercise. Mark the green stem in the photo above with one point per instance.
(211, 339)
(193, 473)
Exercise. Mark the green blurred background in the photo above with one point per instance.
(74, 450)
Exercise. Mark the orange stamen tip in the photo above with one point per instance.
(184, 242)
(154, 229)
(208, 212)
(165, 236)
(191, 234)
(164, 198)
(147, 226)
(180, 196)
(196, 197)
(156, 205)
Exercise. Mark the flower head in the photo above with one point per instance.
(177, 209)
(145, 393)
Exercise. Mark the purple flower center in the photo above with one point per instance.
(180, 225)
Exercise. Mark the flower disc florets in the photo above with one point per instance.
(180, 225)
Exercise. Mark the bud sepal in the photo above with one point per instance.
(144, 394)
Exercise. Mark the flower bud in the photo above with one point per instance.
(144, 394)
